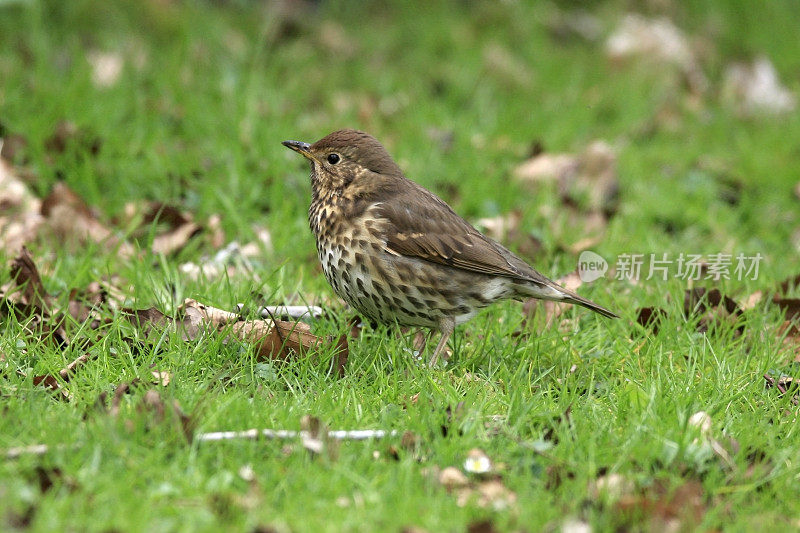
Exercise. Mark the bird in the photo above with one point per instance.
(397, 253)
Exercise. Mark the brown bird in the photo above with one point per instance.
(396, 252)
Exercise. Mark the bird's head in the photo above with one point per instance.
(346, 158)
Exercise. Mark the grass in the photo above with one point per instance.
(207, 93)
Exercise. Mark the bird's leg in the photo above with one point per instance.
(446, 326)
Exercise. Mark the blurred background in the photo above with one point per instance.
(620, 127)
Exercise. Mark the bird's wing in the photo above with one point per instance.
(420, 224)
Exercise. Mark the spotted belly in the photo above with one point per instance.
(387, 288)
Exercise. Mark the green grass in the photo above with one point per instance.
(197, 121)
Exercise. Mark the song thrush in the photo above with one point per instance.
(396, 252)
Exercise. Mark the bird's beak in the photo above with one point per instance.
(299, 147)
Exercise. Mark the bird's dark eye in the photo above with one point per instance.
(333, 158)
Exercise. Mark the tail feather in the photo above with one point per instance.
(552, 291)
(588, 304)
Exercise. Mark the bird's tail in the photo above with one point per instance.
(551, 291)
(588, 304)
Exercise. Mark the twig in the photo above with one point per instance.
(65, 372)
(357, 434)
(19, 451)
(293, 311)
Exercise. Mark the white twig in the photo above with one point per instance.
(34, 449)
(342, 434)
(357, 434)
(293, 311)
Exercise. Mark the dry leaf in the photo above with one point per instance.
(545, 168)
(588, 187)
(20, 216)
(755, 89)
(25, 276)
(274, 340)
(452, 478)
(575, 24)
(612, 486)
(667, 510)
(659, 41)
(752, 301)
(714, 308)
(26, 296)
(333, 37)
(13, 147)
(67, 133)
(161, 378)
(72, 221)
(106, 67)
(175, 239)
(491, 493)
(650, 318)
(501, 62)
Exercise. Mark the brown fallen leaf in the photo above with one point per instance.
(664, 508)
(755, 89)
(152, 320)
(274, 339)
(595, 186)
(714, 308)
(547, 168)
(502, 63)
(482, 526)
(491, 493)
(656, 41)
(452, 478)
(13, 146)
(72, 221)
(752, 301)
(172, 226)
(26, 297)
(25, 276)
(588, 180)
(20, 217)
(588, 188)
(50, 382)
(92, 305)
(66, 133)
(650, 318)
(175, 239)
(790, 306)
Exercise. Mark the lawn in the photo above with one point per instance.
(152, 129)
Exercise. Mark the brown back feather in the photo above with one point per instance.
(422, 225)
